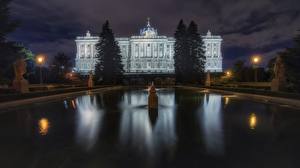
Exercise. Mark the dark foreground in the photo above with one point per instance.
(115, 129)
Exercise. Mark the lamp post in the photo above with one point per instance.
(40, 60)
(256, 59)
(228, 74)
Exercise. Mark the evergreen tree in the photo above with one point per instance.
(238, 70)
(180, 52)
(30, 62)
(109, 67)
(6, 24)
(196, 55)
(60, 67)
(9, 51)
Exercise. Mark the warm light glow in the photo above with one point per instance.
(256, 59)
(252, 121)
(73, 104)
(226, 100)
(40, 59)
(204, 91)
(228, 73)
(44, 126)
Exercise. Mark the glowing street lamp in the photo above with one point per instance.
(256, 59)
(40, 60)
(228, 73)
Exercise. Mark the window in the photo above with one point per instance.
(161, 49)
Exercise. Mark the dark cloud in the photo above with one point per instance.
(256, 26)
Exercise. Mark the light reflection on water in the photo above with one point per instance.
(252, 121)
(44, 126)
(89, 117)
(140, 129)
(212, 124)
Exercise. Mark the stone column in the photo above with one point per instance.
(279, 80)
(207, 80)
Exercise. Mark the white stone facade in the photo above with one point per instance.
(147, 53)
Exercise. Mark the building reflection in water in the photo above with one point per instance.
(252, 121)
(140, 129)
(89, 117)
(44, 126)
(212, 124)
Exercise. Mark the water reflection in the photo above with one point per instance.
(44, 126)
(73, 104)
(165, 128)
(252, 121)
(212, 124)
(89, 117)
(226, 100)
(146, 130)
(153, 114)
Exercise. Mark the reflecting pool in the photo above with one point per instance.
(191, 128)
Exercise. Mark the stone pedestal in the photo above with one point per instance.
(207, 80)
(20, 84)
(275, 85)
(279, 81)
(152, 98)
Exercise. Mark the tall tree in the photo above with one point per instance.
(6, 24)
(60, 66)
(30, 61)
(180, 51)
(238, 70)
(196, 55)
(109, 67)
(9, 51)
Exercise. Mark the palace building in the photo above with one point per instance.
(147, 53)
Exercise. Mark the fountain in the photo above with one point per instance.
(152, 98)
(90, 81)
(152, 103)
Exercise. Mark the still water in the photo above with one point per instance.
(115, 129)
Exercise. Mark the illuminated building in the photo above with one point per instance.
(147, 53)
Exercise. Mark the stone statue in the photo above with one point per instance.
(20, 84)
(90, 80)
(278, 81)
(207, 80)
(152, 97)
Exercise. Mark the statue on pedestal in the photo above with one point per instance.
(152, 97)
(152, 104)
(20, 84)
(278, 81)
(207, 80)
(90, 80)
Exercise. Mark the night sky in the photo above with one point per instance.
(247, 26)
